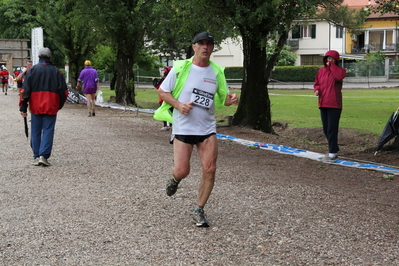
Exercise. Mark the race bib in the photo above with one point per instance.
(202, 98)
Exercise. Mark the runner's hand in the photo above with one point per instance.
(185, 108)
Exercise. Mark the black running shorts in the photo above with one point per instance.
(192, 139)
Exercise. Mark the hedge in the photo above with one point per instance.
(280, 73)
(295, 73)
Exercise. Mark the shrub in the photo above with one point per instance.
(233, 73)
(295, 73)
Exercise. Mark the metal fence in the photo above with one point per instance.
(365, 69)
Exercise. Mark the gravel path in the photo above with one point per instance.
(103, 201)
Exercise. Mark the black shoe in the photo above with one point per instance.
(93, 114)
(200, 218)
(171, 187)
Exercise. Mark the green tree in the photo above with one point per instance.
(286, 58)
(260, 23)
(124, 24)
(69, 29)
(177, 22)
(16, 20)
(385, 6)
(343, 16)
(18, 17)
(375, 63)
(104, 58)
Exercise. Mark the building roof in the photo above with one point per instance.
(358, 4)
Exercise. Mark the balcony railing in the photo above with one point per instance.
(293, 43)
(366, 48)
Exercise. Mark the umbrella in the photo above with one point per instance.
(26, 127)
(390, 131)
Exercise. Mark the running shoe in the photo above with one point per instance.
(200, 218)
(35, 161)
(171, 187)
(43, 161)
(328, 159)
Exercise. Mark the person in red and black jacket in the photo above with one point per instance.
(4, 79)
(46, 91)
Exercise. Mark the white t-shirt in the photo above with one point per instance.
(200, 88)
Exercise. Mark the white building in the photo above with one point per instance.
(230, 54)
(309, 40)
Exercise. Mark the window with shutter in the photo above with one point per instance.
(296, 32)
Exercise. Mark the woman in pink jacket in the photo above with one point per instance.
(328, 86)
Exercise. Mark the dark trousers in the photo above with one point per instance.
(330, 119)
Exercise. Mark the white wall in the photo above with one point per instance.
(230, 54)
(325, 40)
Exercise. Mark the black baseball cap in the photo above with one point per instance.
(204, 36)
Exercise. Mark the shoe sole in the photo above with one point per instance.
(195, 220)
(202, 225)
(170, 193)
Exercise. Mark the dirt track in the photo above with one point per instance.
(103, 201)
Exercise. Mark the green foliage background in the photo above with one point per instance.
(299, 107)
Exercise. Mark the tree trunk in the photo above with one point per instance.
(254, 108)
(74, 74)
(113, 81)
(125, 79)
(189, 52)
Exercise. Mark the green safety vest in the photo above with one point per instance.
(182, 69)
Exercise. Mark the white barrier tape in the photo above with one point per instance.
(117, 106)
(309, 155)
(274, 147)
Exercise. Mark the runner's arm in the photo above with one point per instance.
(183, 108)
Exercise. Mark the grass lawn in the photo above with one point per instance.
(364, 110)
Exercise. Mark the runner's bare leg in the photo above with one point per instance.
(208, 152)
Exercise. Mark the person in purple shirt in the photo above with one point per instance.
(91, 83)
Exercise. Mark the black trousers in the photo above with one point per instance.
(330, 119)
